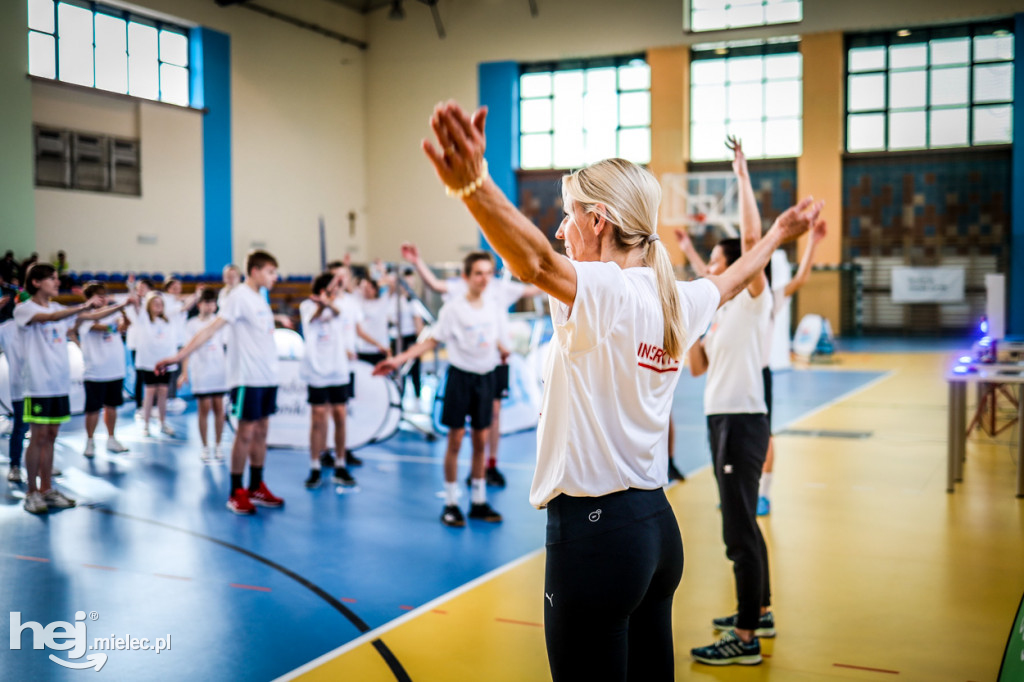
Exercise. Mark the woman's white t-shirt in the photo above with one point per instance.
(252, 352)
(325, 360)
(608, 383)
(207, 365)
(403, 314)
(10, 344)
(102, 351)
(471, 333)
(376, 313)
(734, 346)
(44, 347)
(156, 340)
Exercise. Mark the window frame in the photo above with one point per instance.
(129, 17)
(583, 64)
(762, 48)
(688, 10)
(923, 36)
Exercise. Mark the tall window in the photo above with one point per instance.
(575, 113)
(714, 15)
(752, 91)
(106, 48)
(930, 88)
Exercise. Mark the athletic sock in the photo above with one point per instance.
(236, 482)
(451, 493)
(492, 462)
(479, 494)
(314, 464)
(255, 478)
(766, 485)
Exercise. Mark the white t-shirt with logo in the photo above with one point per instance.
(376, 313)
(402, 314)
(156, 340)
(608, 383)
(500, 291)
(207, 365)
(252, 353)
(10, 344)
(325, 361)
(733, 345)
(470, 333)
(44, 348)
(102, 351)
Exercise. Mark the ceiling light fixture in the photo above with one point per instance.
(903, 33)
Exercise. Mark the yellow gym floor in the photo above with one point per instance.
(877, 572)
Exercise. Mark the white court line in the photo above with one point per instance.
(415, 613)
(822, 407)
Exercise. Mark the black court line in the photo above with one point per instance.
(385, 653)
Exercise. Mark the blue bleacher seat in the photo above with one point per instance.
(82, 276)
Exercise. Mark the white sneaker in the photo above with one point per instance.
(176, 406)
(35, 503)
(167, 430)
(139, 416)
(90, 447)
(116, 446)
(204, 453)
(14, 474)
(218, 452)
(55, 499)
(145, 432)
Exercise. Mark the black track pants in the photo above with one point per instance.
(613, 565)
(739, 443)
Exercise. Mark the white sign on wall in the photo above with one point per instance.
(927, 285)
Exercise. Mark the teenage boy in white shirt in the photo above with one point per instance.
(472, 327)
(103, 357)
(504, 293)
(252, 374)
(325, 369)
(43, 327)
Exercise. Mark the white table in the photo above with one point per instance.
(957, 435)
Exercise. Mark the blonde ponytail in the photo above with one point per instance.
(630, 197)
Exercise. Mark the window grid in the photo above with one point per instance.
(592, 138)
(702, 150)
(925, 38)
(717, 15)
(129, 18)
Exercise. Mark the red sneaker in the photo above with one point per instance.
(239, 502)
(264, 498)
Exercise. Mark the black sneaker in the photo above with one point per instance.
(765, 625)
(494, 477)
(484, 512)
(729, 650)
(326, 459)
(351, 459)
(314, 478)
(452, 516)
(343, 477)
(674, 474)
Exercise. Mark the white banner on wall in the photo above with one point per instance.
(927, 285)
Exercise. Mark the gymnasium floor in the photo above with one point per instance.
(877, 572)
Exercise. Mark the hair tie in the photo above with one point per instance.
(653, 237)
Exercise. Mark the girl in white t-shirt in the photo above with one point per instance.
(206, 369)
(372, 345)
(622, 325)
(156, 339)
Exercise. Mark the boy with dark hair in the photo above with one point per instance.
(472, 327)
(325, 369)
(43, 328)
(252, 374)
(103, 356)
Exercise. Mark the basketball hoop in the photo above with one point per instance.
(698, 200)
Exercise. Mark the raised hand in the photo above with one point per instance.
(798, 219)
(459, 161)
(739, 160)
(683, 237)
(410, 252)
(819, 231)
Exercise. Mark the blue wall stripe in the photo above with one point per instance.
(499, 92)
(211, 88)
(1015, 283)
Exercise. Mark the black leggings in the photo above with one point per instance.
(613, 565)
(414, 371)
(739, 443)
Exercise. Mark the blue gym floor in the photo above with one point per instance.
(152, 552)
